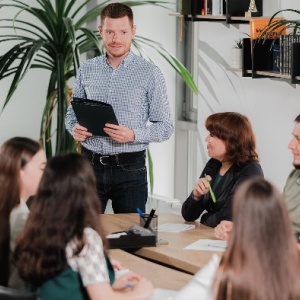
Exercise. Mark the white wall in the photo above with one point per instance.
(271, 104)
(23, 114)
(156, 24)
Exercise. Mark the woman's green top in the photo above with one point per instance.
(67, 285)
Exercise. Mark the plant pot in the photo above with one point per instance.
(237, 58)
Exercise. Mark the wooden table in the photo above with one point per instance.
(173, 255)
(160, 276)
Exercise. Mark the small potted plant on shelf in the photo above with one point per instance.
(238, 44)
(237, 54)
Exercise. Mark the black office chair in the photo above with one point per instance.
(12, 294)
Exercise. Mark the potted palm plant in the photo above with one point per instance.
(55, 41)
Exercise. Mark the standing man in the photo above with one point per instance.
(292, 186)
(291, 190)
(137, 91)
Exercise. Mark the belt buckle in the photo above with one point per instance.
(101, 162)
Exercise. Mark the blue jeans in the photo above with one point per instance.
(126, 185)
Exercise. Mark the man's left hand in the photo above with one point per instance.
(119, 133)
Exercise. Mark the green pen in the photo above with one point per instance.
(213, 197)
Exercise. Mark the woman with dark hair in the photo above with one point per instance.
(61, 253)
(262, 260)
(22, 162)
(231, 146)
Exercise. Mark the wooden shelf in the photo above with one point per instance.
(264, 73)
(258, 61)
(273, 74)
(258, 58)
(211, 18)
(233, 11)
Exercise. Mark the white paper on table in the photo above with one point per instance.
(208, 245)
(174, 227)
(163, 294)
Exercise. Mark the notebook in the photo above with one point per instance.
(93, 114)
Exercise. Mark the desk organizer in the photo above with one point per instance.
(132, 239)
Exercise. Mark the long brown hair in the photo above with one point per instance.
(236, 132)
(15, 153)
(262, 261)
(66, 203)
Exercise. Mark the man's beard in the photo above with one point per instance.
(297, 166)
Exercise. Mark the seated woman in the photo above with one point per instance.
(22, 162)
(62, 251)
(231, 146)
(262, 260)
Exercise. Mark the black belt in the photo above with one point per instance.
(113, 160)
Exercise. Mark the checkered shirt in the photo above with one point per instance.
(137, 92)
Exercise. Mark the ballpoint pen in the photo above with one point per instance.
(150, 217)
(140, 213)
(129, 285)
(213, 197)
(217, 246)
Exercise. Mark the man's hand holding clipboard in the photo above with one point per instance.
(80, 133)
(119, 133)
(98, 118)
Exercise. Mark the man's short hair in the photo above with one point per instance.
(115, 11)
(297, 119)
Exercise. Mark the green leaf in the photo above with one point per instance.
(72, 36)
(150, 171)
(27, 56)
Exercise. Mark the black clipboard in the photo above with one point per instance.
(93, 114)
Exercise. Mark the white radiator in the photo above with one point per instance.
(161, 204)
